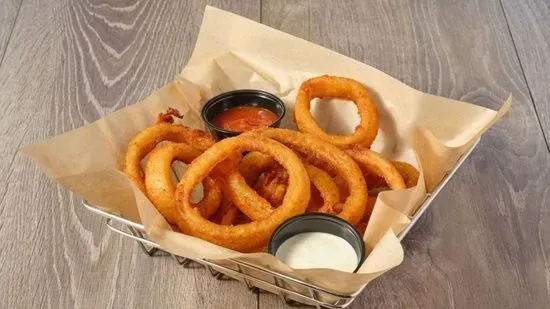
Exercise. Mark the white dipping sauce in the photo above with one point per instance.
(318, 250)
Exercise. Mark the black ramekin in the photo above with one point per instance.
(247, 97)
(318, 222)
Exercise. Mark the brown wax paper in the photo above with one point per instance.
(231, 53)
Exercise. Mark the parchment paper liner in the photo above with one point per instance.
(235, 53)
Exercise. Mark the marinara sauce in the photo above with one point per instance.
(244, 118)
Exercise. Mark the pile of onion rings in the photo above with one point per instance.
(379, 172)
(253, 182)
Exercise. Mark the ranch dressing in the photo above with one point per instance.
(318, 250)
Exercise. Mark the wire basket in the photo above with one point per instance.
(291, 290)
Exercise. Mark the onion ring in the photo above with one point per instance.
(248, 236)
(258, 203)
(147, 139)
(322, 153)
(343, 187)
(160, 188)
(374, 181)
(247, 199)
(326, 186)
(337, 87)
(410, 173)
(375, 164)
(226, 214)
(315, 201)
(272, 186)
(253, 164)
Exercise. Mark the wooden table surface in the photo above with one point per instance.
(484, 243)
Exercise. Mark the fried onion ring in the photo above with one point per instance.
(337, 87)
(326, 186)
(226, 214)
(160, 188)
(247, 199)
(315, 201)
(248, 236)
(147, 139)
(253, 164)
(410, 173)
(272, 186)
(376, 164)
(322, 153)
(342, 188)
(374, 181)
(259, 203)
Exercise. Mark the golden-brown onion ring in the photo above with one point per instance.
(238, 185)
(326, 186)
(258, 204)
(248, 236)
(337, 87)
(272, 186)
(212, 196)
(374, 181)
(159, 186)
(334, 160)
(253, 164)
(226, 214)
(410, 173)
(147, 139)
(247, 199)
(378, 165)
(342, 188)
(315, 201)
(230, 216)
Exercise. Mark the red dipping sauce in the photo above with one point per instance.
(244, 118)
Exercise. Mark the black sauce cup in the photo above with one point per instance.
(247, 97)
(318, 222)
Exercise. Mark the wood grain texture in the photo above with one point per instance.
(9, 9)
(529, 23)
(485, 243)
(69, 63)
